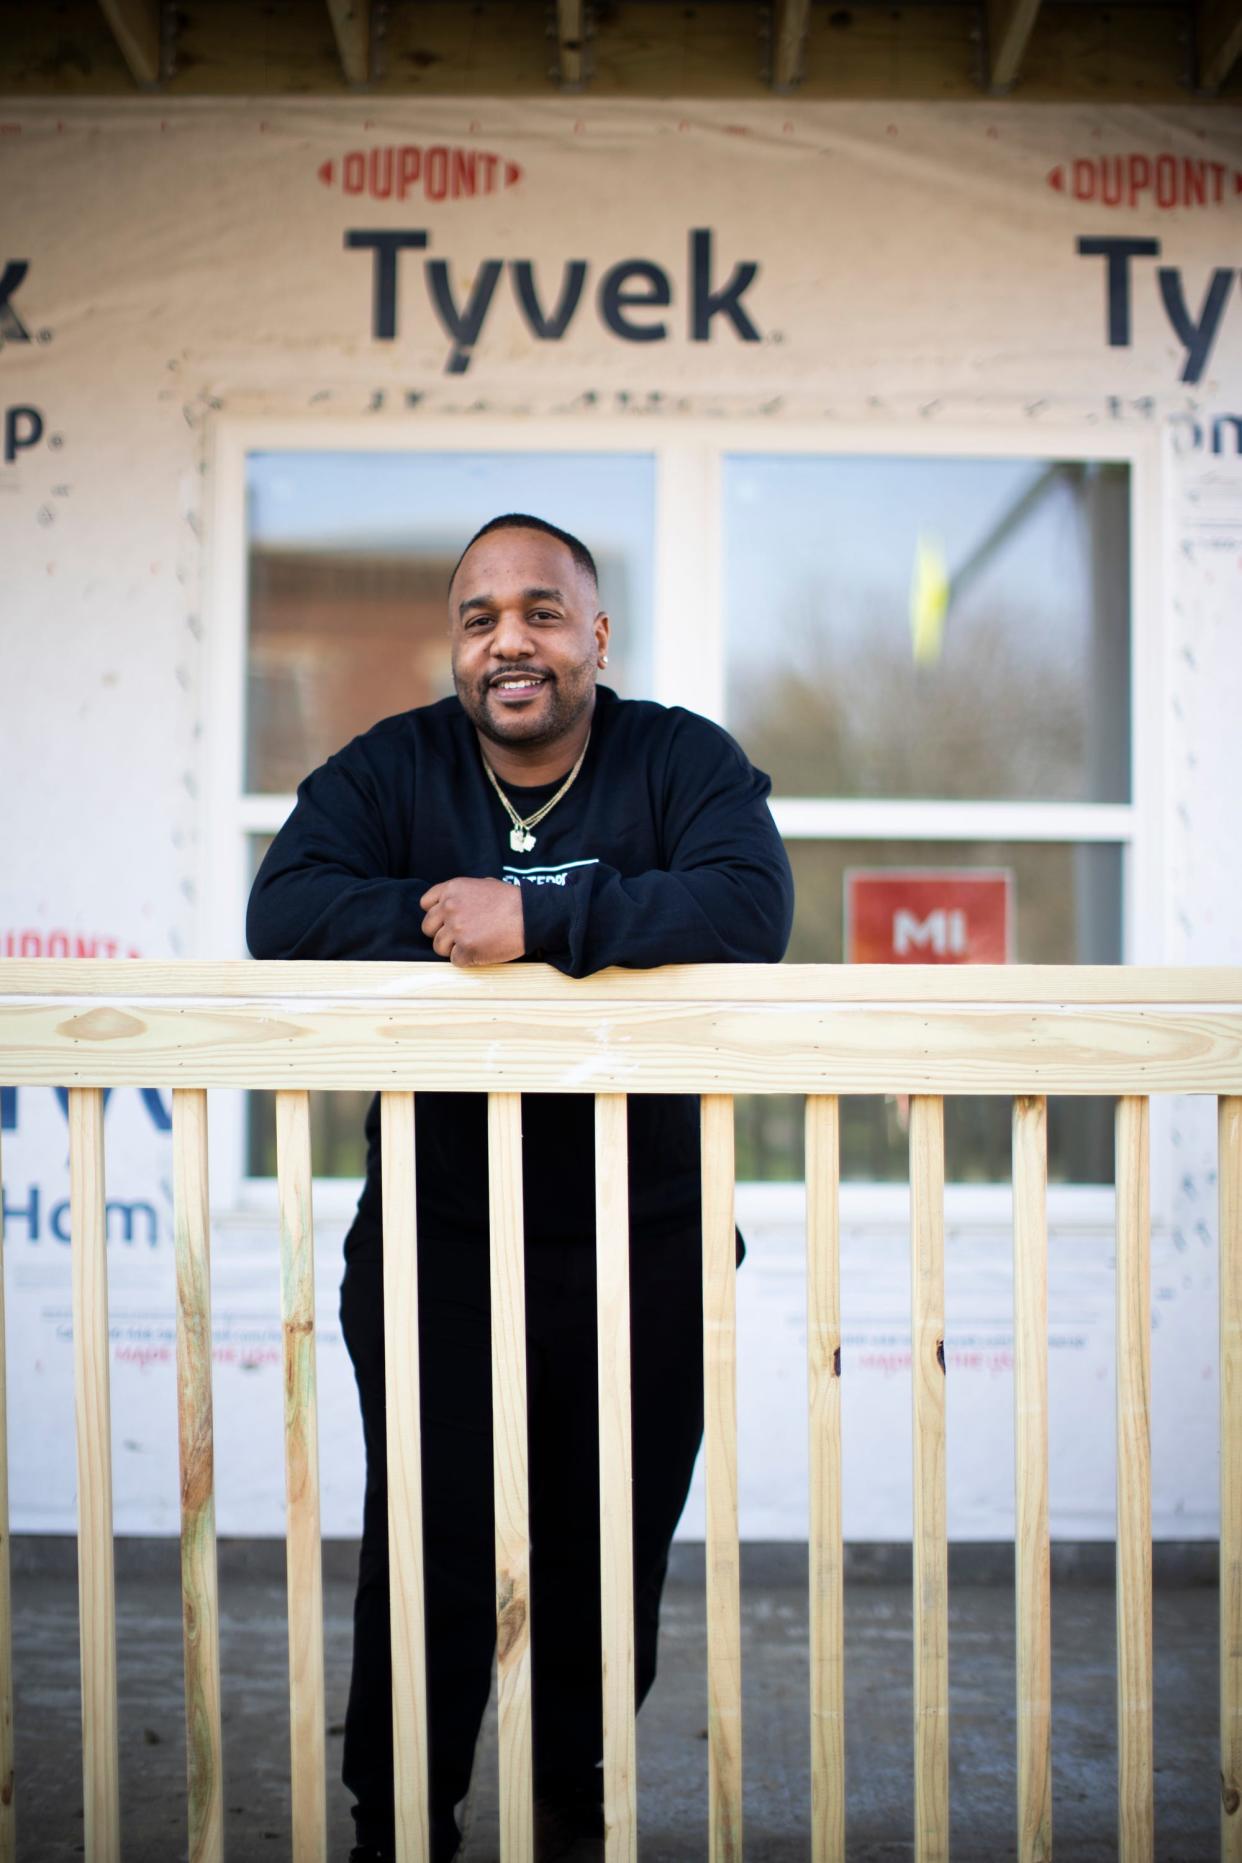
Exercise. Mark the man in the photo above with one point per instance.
(532, 816)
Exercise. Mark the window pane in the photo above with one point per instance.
(349, 560)
(951, 628)
(1067, 901)
(1066, 898)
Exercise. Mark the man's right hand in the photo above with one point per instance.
(475, 921)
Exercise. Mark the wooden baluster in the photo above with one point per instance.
(616, 1508)
(1135, 1782)
(1032, 1568)
(8, 1808)
(405, 1479)
(724, 1632)
(509, 1474)
(304, 1566)
(827, 1594)
(96, 1582)
(1230, 1174)
(931, 1550)
(199, 1600)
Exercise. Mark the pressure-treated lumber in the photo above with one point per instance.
(724, 1594)
(931, 1548)
(200, 1611)
(92, 1407)
(1010, 23)
(8, 1806)
(570, 36)
(304, 1565)
(136, 28)
(506, 1037)
(1032, 1557)
(288, 984)
(1229, 1123)
(351, 27)
(405, 1479)
(790, 23)
(1135, 1760)
(616, 1476)
(1219, 35)
(827, 1559)
(509, 1470)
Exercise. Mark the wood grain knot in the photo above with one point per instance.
(510, 1618)
(836, 1363)
(6, 1790)
(101, 1025)
(197, 1474)
(1230, 1797)
(940, 1353)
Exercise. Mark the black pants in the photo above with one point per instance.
(455, 1383)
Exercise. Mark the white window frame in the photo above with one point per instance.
(689, 668)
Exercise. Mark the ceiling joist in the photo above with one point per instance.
(136, 28)
(1220, 41)
(790, 23)
(1009, 31)
(570, 43)
(1092, 52)
(351, 22)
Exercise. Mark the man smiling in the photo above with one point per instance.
(533, 816)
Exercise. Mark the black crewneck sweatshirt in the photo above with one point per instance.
(662, 852)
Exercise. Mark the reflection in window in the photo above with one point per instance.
(337, 641)
(1068, 911)
(935, 628)
(349, 556)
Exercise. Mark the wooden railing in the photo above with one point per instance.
(716, 1031)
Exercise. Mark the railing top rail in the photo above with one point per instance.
(714, 1029)
(243, 981)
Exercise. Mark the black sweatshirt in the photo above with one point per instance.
(663, 852)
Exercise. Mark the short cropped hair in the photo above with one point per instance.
(518, 520)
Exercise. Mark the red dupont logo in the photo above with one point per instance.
(1146, 180)
(436, 173)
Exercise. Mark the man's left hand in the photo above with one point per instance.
(475, 921)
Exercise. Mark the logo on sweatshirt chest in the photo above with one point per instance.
(559, 875)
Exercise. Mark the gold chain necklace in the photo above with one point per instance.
(521, 840)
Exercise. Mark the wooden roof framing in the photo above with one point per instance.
(351, 24)
(1142, 51)
(1010, 24)
(790, 26)
(1219, 42)
(136, 28)
(571, 29)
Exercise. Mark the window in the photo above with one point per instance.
(955, 629)
(946, 632)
